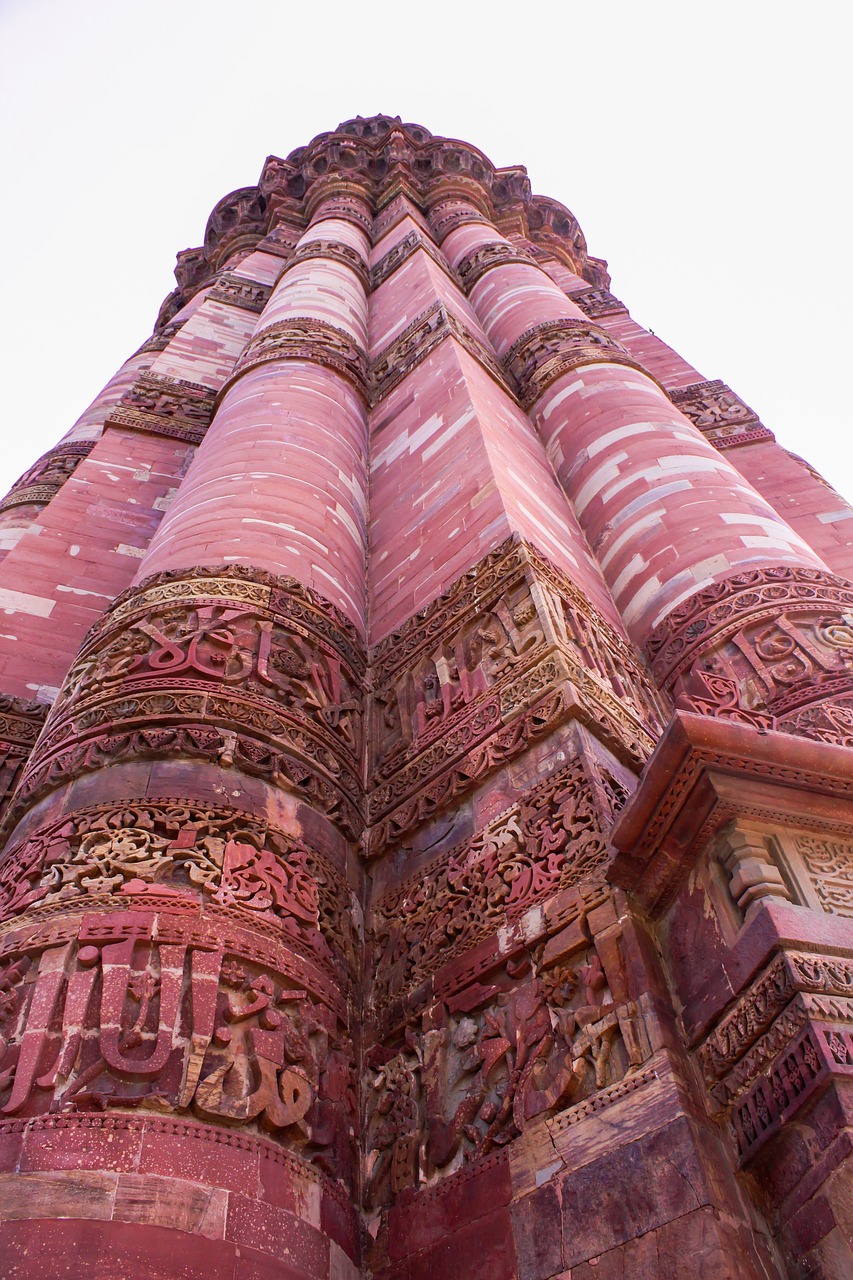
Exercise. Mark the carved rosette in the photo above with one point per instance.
(45, 478)
(512, 650)
(304, 338)
(165, 406)
(231, 666)
(549, 350)
(720, 415)
(769, 647)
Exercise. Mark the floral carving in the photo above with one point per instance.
(550, 841)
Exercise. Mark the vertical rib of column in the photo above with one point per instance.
(280, 483)
(667, 515)
(181, 879)
(94, 501)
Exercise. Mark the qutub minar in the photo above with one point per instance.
(427, 741)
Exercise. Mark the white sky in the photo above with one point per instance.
(704, 149)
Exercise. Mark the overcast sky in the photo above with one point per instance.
(704, 149)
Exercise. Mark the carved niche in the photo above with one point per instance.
(234, 666)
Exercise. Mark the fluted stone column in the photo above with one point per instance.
(182, 868)
(676, 529)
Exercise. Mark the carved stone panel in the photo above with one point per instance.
(256, 673)
(720, 415)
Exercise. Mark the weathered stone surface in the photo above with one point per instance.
(426, 773)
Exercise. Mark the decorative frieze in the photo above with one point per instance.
(417, 341)
(40, 484)
(468, 1075)
(161, 338)
(304, 338)
(508, 652)
(401, 252)
(479, 261)
(219, 667)
(21, 722)
(597, 302)
(769, 647)
(176, 853)
(720, 415)
(555, 347)
(549, 841)
(165, 406)
(238, 291)
(150, 1012)
(335, 251)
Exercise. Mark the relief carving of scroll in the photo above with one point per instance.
(220, 668)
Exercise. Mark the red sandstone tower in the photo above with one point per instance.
(427, 773)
